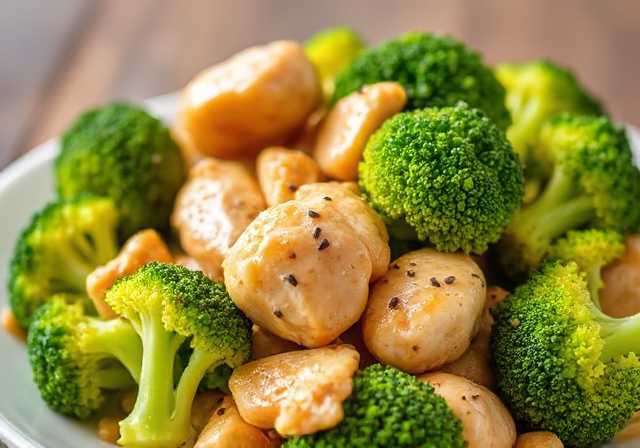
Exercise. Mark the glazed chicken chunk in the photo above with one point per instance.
(217, 202)
(302, 269)
(259, 97)
(227, 429)
(486, 421)
(297, 392)
(425, 311)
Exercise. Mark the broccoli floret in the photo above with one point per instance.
(592, 250)
(536, 90)
(63, 243)
(75, 358)
(435, 71)
(561, 364)
(389, 408)
(593, 183)
(330, 50)
(168, 305)
(122, 152)
(443, 175)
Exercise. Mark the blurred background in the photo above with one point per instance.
(59, 57)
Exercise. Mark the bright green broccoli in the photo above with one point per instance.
(536, 90)
(593, 183)
(76, 358)
(592, 250)
(389, 408)
(121, 151)
(447, 176)
(562, 365)
(330, 50)
(435, 71)
(168, 305)
(63, 243)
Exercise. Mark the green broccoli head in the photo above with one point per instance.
(168, 305)
(562, 365)
(76, 358)
(389, 408)
(122, 152)
(536, 90)
(330, 50)
(446, 175)
(435, 71)
(592, 250)
(593, 183)
(62, 244)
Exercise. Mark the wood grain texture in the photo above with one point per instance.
(59, 58)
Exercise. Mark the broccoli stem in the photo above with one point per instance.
(621, 335)
(117, 338)
(200, 361)
(151, 418)
(529, 114)
(556, 210)
(114, 377)
(71, 269)
(97, 244)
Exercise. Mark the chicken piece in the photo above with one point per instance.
(211, 270)
(365, 222)
(475, 363)
(353, 336)
(305, 140)
(282, 171)
(345, 130)
(213, 207)
(302, 269)
(486, 421)
(425, 311)
(631, 430)
(141, 248)
(620, 295)
(10, 324)
(259, 97)
(539, 439)
(227, 429)
(298, 392)
(265, 343)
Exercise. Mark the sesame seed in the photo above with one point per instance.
(434, 282)
(316, 232)
(393, 303)
(449, 279)
(291, 279)
(314, 214)
(323, 244)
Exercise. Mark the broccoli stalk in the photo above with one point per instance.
(389, 408)
(537, 90)
(168, 305)
(593, 183)
(74, 356)
(561, 364)
(446, 176)
(62, 244)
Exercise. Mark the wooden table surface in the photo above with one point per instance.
(59, 57)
